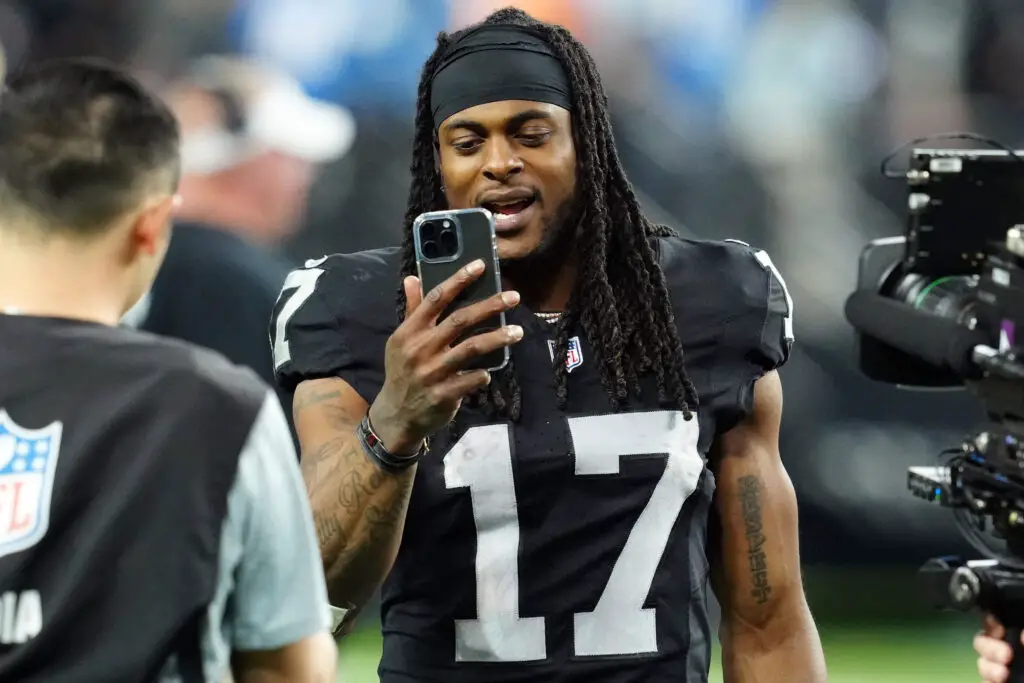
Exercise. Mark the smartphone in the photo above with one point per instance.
(447, 241)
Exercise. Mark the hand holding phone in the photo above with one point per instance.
(451, 338)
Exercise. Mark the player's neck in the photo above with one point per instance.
(56, 281)
(544, 292)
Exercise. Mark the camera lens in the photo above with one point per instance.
(952, 298)
(430, 249)
(428, 231)
(449, 242)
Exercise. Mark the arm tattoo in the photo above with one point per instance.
(327, 529)
(750, 500)
(358, 509)
(384, 522)
(305, 399)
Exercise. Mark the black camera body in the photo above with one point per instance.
(942, 306)
(952, 261)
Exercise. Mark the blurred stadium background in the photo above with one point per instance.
(763, 120)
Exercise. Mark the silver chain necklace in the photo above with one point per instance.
(549, 317)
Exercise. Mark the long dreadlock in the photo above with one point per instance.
(622, 304)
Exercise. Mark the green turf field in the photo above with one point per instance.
(935, 652)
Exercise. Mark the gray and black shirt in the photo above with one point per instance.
(152, 516)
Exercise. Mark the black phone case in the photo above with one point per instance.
(476, 241)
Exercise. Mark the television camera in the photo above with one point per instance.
(942, 306)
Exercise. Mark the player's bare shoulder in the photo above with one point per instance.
(334, 316)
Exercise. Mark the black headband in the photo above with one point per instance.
(493, 63)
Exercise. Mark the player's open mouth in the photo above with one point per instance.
(512, 214)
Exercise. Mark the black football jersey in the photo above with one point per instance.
(570, 546)
(117, 453)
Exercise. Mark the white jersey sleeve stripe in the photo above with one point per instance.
(765, 260)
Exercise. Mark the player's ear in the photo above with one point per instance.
(153, 224)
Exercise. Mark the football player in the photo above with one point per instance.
(557, 520)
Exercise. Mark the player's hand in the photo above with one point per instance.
(994, 653)
(424, 383)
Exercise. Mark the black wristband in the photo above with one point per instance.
(380, 455)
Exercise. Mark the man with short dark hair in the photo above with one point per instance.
(153, 523)
(563, 519)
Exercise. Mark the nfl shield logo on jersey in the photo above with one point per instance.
(28, 465)
(574, 358)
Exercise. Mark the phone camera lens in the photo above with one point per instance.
(430, 249)
(449, 242)
(428, 231)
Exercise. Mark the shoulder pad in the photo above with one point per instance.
(734, 316)
(735, 288)
(777, 336)
(333, 318)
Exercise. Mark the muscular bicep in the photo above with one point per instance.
(757, 568)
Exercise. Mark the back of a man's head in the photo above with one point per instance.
(82, 144)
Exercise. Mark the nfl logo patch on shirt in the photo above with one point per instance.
(28, 465)
(574, 358)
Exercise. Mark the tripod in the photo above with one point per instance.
(987, 586)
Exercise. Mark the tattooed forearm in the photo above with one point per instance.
(358, 509)
(385, 522)
(374, 503)
(750, 499)
(356, 487)
(358, 566)
(328, 406)
(327, 529)
(313, 397)
(322, 466)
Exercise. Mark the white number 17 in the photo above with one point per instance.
(619, 624)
